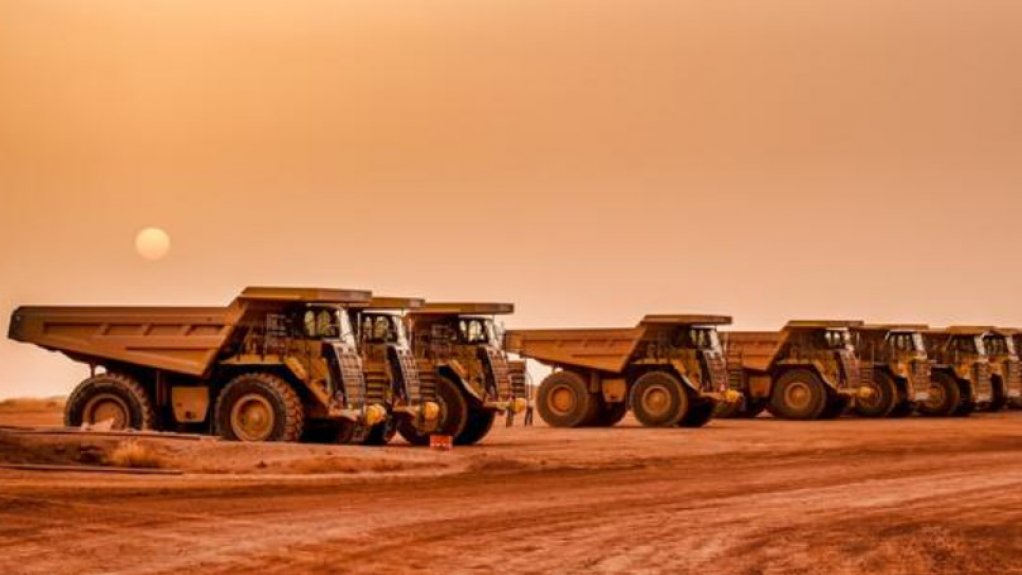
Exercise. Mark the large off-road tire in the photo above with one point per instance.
(480, 421)
(945, 395)
(883, 399)
(699, 414)
(259, 406)
(381, 433)
(564, 400)
(798, 394)
(611, 413)
(452, 418)
(967, 404)
(999, 397)
(659, 399)
(110, 397)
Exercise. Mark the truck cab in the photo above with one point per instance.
(901, 370)
(460, 350)
(694, 347)
(392, 376)
(669, 370)
(961, 358)
(808, 370)
(1005, 370)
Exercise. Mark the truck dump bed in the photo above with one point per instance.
(605, 349)
(182, 340)
(753, 350)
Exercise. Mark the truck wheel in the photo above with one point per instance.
(798, 394)
(381, 433)
(611, 414)
(110, 397)
(966, 405)
(451, 421)
(658, 399)
(883, 399)
(944, 396)
(564, 401)
(259, 407)
(479, 423)
(998, 397)
(699, 414)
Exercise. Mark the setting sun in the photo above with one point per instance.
(152, 243)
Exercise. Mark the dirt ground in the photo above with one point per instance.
(750, 497)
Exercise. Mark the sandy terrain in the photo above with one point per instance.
(749, 497)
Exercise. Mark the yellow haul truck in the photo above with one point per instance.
(461, 353)
(962, 371)
(1005, 371)
(1014, 337)
(808, 370)
(901, 369)
(669, 370)
(391, 372)
(273, 364)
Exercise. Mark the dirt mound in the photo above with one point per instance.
(210, 456)
(32, 405)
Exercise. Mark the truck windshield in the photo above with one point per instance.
(968, 345)
(907, 341)
(383, 328)
(704, 338)
(328, 323)
(917, 340)
(477, 330)
(837, 338)
(980, 348)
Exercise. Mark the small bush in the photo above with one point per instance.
(131, 453)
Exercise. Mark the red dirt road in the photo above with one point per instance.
(749, 497)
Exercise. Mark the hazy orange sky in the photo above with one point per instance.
(590, 161)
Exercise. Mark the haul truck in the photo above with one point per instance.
(808, 370)
(901, 369)
(392, 376)
(1005, 371)
(461, 353)
(271, 365)
(961, 376)
(1015, 341)
(669, 369)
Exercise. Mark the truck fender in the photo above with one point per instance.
(452, 374)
